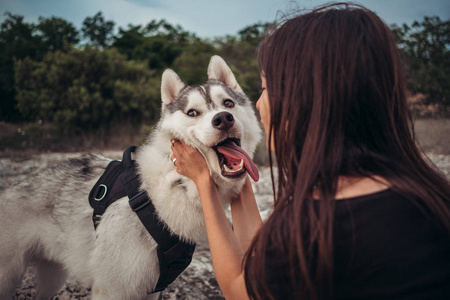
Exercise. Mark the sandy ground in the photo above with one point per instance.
(198, 281)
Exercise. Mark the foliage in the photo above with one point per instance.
(254, 33)
(47, 74)
(97, 31)
(426, 46)
(16, 40)
(84, 90)
(19, 40)
(56, 34)
(158, 43)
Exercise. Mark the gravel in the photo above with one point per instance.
(198, 281)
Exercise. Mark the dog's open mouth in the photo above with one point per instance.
(234, 161)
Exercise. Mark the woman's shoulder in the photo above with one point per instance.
(387, 240)
(379, 205)
(387, 217)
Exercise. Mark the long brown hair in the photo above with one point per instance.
(337, 107)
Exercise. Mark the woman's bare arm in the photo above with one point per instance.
(245, 214)
(227, 251)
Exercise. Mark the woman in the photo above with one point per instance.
(358, 213)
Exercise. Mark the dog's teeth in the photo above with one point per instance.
(228, 170)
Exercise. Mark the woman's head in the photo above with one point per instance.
(335, 88)
(335, 84)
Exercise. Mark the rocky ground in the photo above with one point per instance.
(198, 281)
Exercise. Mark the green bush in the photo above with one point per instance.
(83, 90)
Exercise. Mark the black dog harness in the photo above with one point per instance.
(120, 179)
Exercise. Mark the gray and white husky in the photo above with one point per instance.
(47, 221)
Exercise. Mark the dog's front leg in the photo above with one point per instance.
(124, 262)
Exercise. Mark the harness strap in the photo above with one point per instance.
(141, 204)
(174, 255)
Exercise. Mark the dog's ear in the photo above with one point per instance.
(219, 70)
(171, 85)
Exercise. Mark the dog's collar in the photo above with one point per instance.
(120, 179)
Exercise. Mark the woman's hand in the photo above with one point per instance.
(189, 161)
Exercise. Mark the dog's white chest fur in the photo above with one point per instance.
(174, 196)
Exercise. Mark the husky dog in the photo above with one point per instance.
(47, 221)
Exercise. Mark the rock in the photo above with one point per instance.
(197, 281)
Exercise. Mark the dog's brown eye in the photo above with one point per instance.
(228, 103)
(192, 113)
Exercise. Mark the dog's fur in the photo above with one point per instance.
(47, 220)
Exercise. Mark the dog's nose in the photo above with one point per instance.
(223, 120)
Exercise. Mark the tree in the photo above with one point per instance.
(97, 31)
(55, 33)
(254, 33)
(426, 46)
(158, 43)
(129, 39)
(172, 33)
(17, 40)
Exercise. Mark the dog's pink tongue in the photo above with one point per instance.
(230, 149)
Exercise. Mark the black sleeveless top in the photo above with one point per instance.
(384, 248)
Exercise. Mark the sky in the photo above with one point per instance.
(208, 18)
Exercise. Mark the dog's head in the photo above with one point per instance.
(216, 117)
